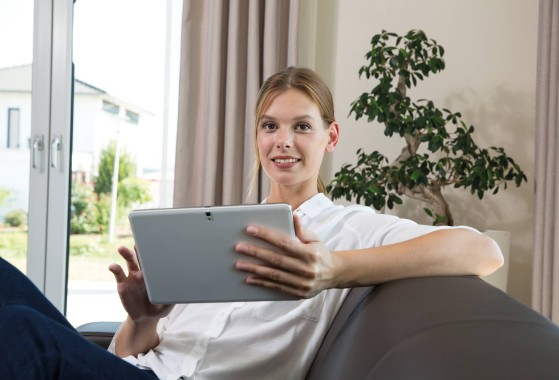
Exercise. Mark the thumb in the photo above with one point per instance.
(304, 235)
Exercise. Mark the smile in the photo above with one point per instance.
(285, 160)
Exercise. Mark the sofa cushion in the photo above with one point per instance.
(100, 333)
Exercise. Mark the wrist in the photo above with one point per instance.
(355, 268)
(143, 323)
(341, 271)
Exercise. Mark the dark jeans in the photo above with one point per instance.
(37, 342)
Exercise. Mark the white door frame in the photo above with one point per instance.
(49, 180)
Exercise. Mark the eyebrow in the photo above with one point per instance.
(296, 118)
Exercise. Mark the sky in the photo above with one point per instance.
(119, 45)
(16, 32)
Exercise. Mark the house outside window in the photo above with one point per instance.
(111, 107)
(132, 117)
(13, 128)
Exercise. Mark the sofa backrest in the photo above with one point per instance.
(438, 328)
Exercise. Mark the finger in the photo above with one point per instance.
(284, 243)
(297, 292)
(130, 257)
(304, 235)
(278, 260)
(117, 271)
(276, 275)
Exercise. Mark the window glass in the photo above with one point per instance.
(13, 128)
(132, 117)
(16, 47)
(111, 107)
(119, 126)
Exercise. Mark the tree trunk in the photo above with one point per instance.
(429, 194)
(440, 206)
(433, 197)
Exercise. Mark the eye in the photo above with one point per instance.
(268, 126)
(303, 127)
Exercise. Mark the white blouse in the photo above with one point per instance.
(269, 340)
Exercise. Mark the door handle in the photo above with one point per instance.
(37, 152)
(55, 149)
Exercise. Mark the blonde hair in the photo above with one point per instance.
(302, 79)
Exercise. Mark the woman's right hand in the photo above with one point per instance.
(132, 290)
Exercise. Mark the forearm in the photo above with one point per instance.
(134, 338)
(444, 252)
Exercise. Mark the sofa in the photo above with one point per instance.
(426, 328)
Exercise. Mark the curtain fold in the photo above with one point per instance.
(545, 288)
(228, 47)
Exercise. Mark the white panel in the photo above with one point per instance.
(40, 124)
(59, 157)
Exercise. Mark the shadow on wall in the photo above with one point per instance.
(502, 118)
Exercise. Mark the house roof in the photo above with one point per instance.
(18, 79)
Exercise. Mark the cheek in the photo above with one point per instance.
(316, 149)
(263, 145)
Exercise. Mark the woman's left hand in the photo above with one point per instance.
(301, 267)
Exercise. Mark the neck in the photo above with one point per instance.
(294, 196)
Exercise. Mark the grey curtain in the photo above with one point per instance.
(545, 289)
(228, 48)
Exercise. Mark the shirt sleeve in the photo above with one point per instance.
(381, 229)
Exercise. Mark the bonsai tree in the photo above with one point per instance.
(448, 155)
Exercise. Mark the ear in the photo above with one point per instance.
(333, 134)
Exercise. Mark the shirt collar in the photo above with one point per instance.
(314, 205)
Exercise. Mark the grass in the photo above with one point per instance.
(90, 255)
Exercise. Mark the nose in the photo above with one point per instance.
(284, 138)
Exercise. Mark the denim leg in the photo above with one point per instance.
(33, 346)
(38, 342)
(17, 289)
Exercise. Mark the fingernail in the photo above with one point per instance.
(252, 230)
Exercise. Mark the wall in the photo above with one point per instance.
(489, 77)
(14, 163)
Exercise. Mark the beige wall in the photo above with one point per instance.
(489, 77)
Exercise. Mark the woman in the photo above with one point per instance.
(348, 246)
(336, 248)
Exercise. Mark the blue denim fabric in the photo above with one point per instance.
(37, 342)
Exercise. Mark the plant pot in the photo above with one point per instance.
(499, 278)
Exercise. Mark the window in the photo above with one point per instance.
(13, 128)
(132, 117)
(110, 107)
(112, 58)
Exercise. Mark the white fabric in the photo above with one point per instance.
(269, 340)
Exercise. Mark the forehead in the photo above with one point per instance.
(289, 101)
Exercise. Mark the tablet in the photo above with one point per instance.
(188, 255)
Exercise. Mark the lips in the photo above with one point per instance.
(285, 162)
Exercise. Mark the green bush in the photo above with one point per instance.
(16, 218)
(83, 209)
(104, 180)
(103, 207)
(133, 191)
(5, 194)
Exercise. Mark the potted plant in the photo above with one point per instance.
(439, 148)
